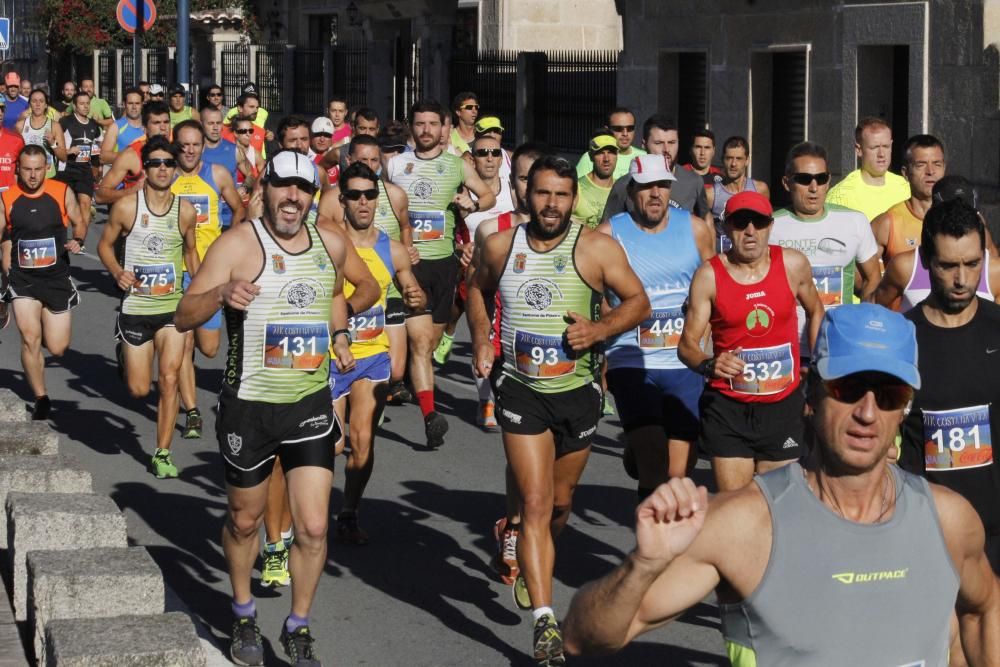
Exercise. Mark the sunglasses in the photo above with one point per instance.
(853, 388)
(168, 162)
(805, 178)
(301, 184)
(355, 195)
(488, 152)
(741, 222)
(215, 95)
(322, 134)
(622, 128)
(469, 107)
(243, 131)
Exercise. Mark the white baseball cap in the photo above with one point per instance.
(322, 124)
(155, 89)
(650, 169)
(289, 164)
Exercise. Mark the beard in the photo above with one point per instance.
(539, 231)
(281, 227)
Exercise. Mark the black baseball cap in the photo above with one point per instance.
(956, 187)
(250, 90)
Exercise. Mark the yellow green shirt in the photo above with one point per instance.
(872, 200)
(590, 202)
(585, 165)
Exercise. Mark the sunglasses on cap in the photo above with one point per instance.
(488, 152)
(469, 107)
(354, 195)
(741, 222)
(622, 128)
(805, 178)
(301, 184)
(889, 394)
(168, 162)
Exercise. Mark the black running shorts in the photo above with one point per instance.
(57, 295)
(138, 330)
(758, 431)
(438, 278)
(572, 415)
(395, 312)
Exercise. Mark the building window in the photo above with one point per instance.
(884, 91)
(683, 93)
(323, 30)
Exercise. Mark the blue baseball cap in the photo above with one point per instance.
(864, 337)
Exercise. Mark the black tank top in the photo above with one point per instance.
(84, 136)
(948, 433)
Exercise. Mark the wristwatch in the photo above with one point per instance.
(707, 367)
(339, 332)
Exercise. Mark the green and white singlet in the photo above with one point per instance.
(279, 347)
(536, 290)
(154, 251)
(430, 184)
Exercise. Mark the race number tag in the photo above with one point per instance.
(154, 279)
(663, 330)
(36, 253)
(956, 439)
(201, 207)
(84, 154)
(367, 325)
(427, 225)
(541, 355)
(768, 370)
(829, 282)
(296, 346)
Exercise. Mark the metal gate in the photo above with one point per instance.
(235, 67)
(107, 76)
(271, 77)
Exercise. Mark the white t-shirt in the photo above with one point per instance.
(504, 204)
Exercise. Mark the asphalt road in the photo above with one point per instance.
(422, 593)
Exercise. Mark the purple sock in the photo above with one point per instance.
(244, 610)
(293, 622)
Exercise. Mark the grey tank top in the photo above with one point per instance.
(837, 592)
(722, 195)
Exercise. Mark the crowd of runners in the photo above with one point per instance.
(828, 359)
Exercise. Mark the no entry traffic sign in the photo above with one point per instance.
(127, 14)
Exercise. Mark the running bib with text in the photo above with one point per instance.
(663, 330)
(295, 346)
(201, 207)
(154, 279)
(84, 154)
(829, 283)
(541, 355)
(367, 325)
(427, 225)
(36, 253)
(959, 438)
(768, 370)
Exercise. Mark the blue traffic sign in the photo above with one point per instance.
(4, 34)
(126, 14)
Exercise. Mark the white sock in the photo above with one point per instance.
(538, 612)
(286, 534)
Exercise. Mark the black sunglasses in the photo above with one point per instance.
(469, 107)
(354, 195)
(301, 184)
(214, 95)
(488, 152)
(322, 134)
(741, 222)
(805, 178)
(168, 162)
(852, 388)
(245, 130)
(622, 128)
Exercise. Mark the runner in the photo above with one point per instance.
(126, 170)
(143, 87)
(364, 122)
(37, 213)
(125, 130)
(248, 106)
(204, 186)
(367, 384)
(284, 314)
(549, 273)
(221, 152)
(872, 189)
(66, 103)
(80, 138)
(16, 102)
(431, 177)
(100, 110)
(249, 162)
(26, 88)
(180, 110)
(11, 144)
(490, 126)
(337, 112)
(38, 128)
(802, 560)
(621, 124)
(837, 241)
(156, 92)
(157, 230)
(465, 108)
(657, 395)
(320, 140)
(215, 98)
(751, 409)
(595, 187)
(735, 178)
(702, 155)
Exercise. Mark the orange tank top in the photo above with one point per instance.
(904, 230)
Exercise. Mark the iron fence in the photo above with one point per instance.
(309, 73)
(107, 76)
(492, 75)
(234, 69)
(350, 73)
(580, 88)
(270, 77)
(158, 66)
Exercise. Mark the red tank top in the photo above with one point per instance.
(760, 318)
(503, 222)
(130, 178)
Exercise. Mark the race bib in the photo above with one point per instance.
(541, 355)
(367, 325)
(663, 330)
(84, 154)
(956, 439)
(768, 370)
(829, 282)
(36, 253)
(427, 225)
(154, 279)
(201, 207)
(295, 346)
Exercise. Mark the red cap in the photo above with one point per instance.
(749, 201)
(12, 79)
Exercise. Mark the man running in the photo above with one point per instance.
(751, 409)
(735, 178)
(100, 110)
(431, 178)
(702, 155)
(465, 107)
(550, 275)
(621, 124)
(248, 106)
(124, 131)
(37, 214)
(11, 144)
(126, 170)
(157, 230)
(871, 189)
(337, 113)
(16, 102)
(656, 393)
(822, 565)
(80, 142)
(366, 386)
(215, 98)
(594, 187)
(180, 110)
(204, 186)
(221, 152)
(280, 281)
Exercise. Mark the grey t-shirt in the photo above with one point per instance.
(687, 192)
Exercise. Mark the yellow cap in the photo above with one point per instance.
(602, 141)
(487, 123)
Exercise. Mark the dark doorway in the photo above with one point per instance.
(683, 94)
(884, 91)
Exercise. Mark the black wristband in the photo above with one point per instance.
(78, 240)
(707, 367)
(345, 332)
(350, 309)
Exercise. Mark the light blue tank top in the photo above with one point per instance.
(127, 134)
(665, 263)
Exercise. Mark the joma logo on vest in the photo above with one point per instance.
(868, 577)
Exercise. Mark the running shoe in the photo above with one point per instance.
(443, 350)
(43, 406)
(275, 571)
(348, 530)
(162, 465)
(435, 426)
(247, 648)
(548, 642)
(486, 417)
(505, 559)
(607, 409)
(298, 646)
(399, 394)
(519, 589)
(192, 425)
